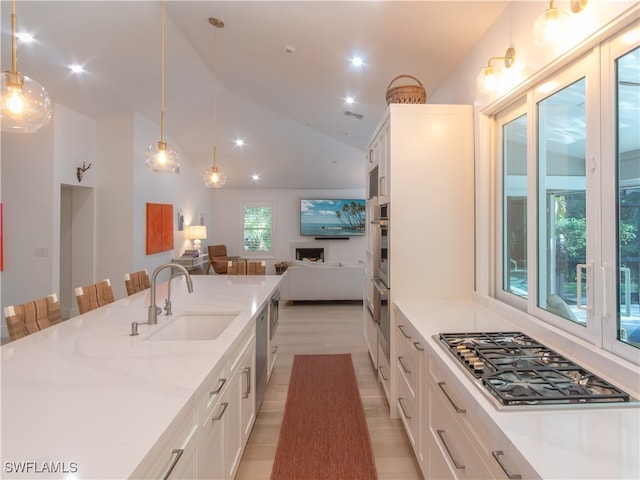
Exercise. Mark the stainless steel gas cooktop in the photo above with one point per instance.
(518, 370)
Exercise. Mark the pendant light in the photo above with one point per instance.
(215, 177)
(26, 105)
(162, 157)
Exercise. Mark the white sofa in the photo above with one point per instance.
(307, 280)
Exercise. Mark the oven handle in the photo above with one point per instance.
(383, 222)
(380, 287)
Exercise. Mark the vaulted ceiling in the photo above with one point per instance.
(283, 71)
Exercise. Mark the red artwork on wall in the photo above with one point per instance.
(159, 227)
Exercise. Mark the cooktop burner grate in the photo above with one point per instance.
(519, 370)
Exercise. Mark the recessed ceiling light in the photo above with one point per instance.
(24, 37)
(239, 142)
(255, 177)
(75, 68)
(357, 61)
(350, 100)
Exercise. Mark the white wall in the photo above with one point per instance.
(514, 28)
(226, 225)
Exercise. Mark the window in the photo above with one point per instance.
(568, 208)
(257, 228)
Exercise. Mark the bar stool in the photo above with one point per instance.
(94, 296)
(256, 268)
(136, 281)
(236, 268)
(31, 317)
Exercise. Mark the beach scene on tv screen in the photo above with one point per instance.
(332, 217)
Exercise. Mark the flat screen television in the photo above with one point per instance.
(332, 217)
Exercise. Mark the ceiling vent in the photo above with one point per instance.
(359, 116)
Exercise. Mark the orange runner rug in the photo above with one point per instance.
(324, 432)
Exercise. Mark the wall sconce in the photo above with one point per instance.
(487, 79)
(551, 25)
(197, 233)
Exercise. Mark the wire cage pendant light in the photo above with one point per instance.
(26, 106)
(162, 157)
(215, 177)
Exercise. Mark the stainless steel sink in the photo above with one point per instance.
(195, 326)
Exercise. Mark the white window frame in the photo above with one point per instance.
(595, 61)
(261, 254)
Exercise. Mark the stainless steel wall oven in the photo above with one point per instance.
(381, 280)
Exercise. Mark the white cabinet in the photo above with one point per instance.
(213, 439)
(175, 455)
(371, 336)
(424, 160)
(378, 167)
(460, 440)
(410, 374)
(241, 409)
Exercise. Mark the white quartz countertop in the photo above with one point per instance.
(90, 399)
(560, 442)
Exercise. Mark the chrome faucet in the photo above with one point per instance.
(153, 308)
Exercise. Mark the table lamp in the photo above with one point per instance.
(197, 233)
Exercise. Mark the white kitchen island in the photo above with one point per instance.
(85, 399)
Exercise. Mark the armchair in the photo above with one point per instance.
(218, 258)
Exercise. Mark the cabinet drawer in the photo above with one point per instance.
(409, 364)
(384, 373)
(216, 382)
(409, 411)
(444, 380)
(459, 453)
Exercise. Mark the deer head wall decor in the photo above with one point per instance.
(80, 170)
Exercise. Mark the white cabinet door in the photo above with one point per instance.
(211, 459)
(248, 391)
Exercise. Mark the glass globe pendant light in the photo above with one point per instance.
(162, 157)
(26, 105)
(215, 177)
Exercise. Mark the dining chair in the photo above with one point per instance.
(256, 268)
(33, 316)
(94, 296)
(136, 281)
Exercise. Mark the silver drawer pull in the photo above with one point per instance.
(406, 370)
(418, 346)
(404, 412)
(498, 454)
(218, 389)
(247, 371)
(401, 328)
(218, 417)
(458, 409)
(382, 374)
(459, 466)
(178, 453)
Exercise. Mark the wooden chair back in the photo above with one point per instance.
(31, 317)
(94, 296)
(136, 281)
(256, 268)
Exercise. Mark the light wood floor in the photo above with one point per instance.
(326, 328)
